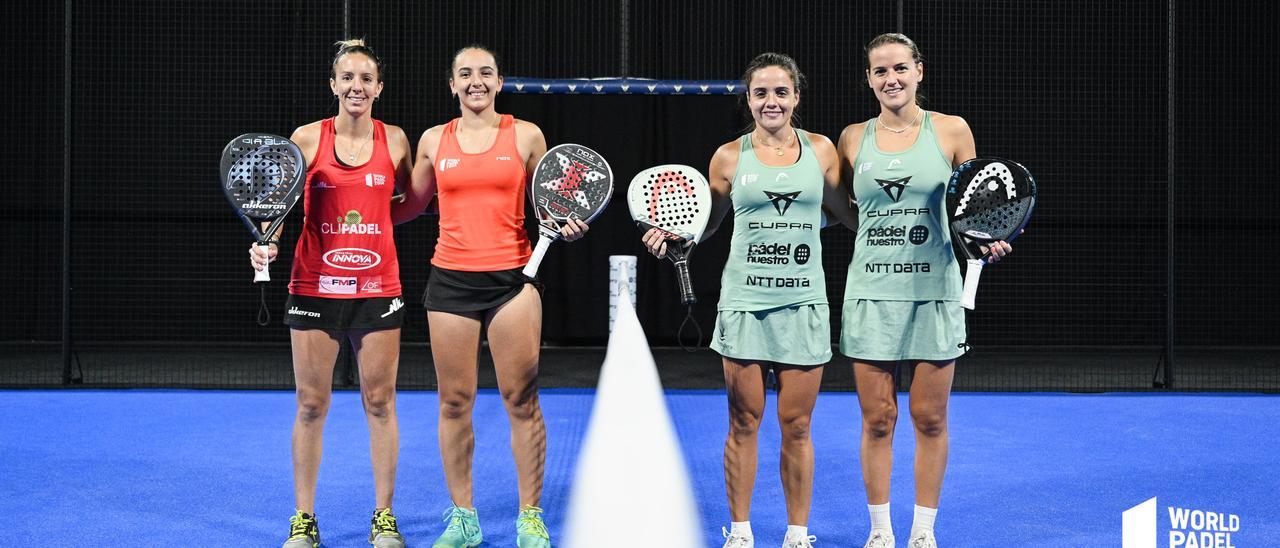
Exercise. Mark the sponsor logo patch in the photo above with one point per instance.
(352, 258)
(338, 285)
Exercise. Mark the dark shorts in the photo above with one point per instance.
(467, 292)
(321, 313)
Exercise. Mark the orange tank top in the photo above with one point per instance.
(481, 203)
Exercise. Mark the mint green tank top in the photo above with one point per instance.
(903, 248)
(775, 255)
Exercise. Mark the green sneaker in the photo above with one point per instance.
(383, 532)
(530, 531)
(463, 530)
(303, 531)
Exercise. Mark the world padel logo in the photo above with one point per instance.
(352, 258)
(894, 187)
(374, 179)
(446, 163)
(782, 200)
(1188, 528)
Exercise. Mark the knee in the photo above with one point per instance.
(456, 405)
(379, 404)
(879, 422)
(794, 428)
(744, 422)
(929, 422)
(312, 406)
(521, 402)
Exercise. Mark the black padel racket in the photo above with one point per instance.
(570, 182)
(262, 176)
(988, 200)
(675, 199)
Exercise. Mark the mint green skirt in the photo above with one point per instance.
(793, 335)
(902, 330)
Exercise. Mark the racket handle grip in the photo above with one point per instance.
(971, 275)
(686, 285)
(264, 275)
(539, 251)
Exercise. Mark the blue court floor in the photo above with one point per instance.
(211, 468)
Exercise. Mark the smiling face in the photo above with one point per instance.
(474, 79)
(772, 97)
(894, 75)
(355, 82)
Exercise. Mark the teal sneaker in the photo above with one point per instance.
(303, 531)
(383, 532)
(530, 531)
(463, 530)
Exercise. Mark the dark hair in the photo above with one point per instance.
(771, 59)
(896, 38)
(355, 45)
(497, 62)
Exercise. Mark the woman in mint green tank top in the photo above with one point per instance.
(772, 312)
(902, 294)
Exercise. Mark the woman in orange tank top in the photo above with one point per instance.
(479, 164)
(331, 300)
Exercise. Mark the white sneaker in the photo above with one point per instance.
(737, 540)
(799, 542)
(923, 539)
(880, 539)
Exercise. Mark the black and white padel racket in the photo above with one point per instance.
(570, 182)
(988, 200)
(262, 177)
(675, 199)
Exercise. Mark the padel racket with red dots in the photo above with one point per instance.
(570, 182)
(988, 200)
(675, 199)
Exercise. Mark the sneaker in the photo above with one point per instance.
(799, 542)
(463, 530)
(383, 532)
(531, 532)
(737, 540)
(923, 539)
(880, 539)
(303, 531)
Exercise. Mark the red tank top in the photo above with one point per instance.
(481, 204)
(346, 249)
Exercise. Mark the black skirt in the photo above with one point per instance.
(459, 291)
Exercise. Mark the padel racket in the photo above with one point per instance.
(262, 176)
(675, 199)
(988, 200)
(570, 182)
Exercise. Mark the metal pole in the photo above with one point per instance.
(624, 37)
(900, 31)
(1171, 138)
(66, 194)
(346, 19)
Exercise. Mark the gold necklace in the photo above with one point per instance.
(780, 149)
(919, 112)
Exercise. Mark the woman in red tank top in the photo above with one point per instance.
(479, 164)
(345, 284)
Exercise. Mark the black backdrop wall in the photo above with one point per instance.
(1102, 100)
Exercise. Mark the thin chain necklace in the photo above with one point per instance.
(919, 113)
(780, 149)
(351, 159)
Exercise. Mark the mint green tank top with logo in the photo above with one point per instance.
(903, 248)
(775, 255)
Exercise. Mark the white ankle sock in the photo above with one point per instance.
(923, 520)
(742, 527)
(797, 531)
(880, 517)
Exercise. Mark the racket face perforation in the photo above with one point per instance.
(571, 181)
(990, 199)
(262, 175)
(672, 198)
